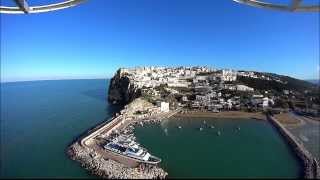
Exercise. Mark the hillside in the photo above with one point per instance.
(286, 83)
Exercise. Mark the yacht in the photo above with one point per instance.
(132, 150)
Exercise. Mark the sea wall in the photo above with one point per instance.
(112, 124)
(107, 168)
(310, 165)
(122, 89)
(104, 165)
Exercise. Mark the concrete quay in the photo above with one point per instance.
(311, 168)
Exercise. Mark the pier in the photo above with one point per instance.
(116, 124)
(311, 168)
(89, 151)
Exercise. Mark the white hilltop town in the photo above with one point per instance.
(198, 87)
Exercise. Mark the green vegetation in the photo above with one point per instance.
(292, 84)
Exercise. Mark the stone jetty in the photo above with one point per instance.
(310, 165)
(86, 150)
(107, 168)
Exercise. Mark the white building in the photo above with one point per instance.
(265, 102)
(184, 98)
(179, 84)
(229, 75)
(164, 107)
(244, 88)
(257, 96)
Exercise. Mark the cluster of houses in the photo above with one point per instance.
(196, 87)
(256, 75)
(216, 100)
(150, 77)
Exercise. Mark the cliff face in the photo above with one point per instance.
(122, 90)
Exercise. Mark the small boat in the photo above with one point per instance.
(219, 133)
(215, 111)
(201, 129)
(238, 128)
(179, 127)
(212, 127)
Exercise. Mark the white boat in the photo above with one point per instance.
(215, 111)
(132, 150)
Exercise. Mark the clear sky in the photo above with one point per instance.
(96, 38)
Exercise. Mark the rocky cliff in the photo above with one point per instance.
(122, 90)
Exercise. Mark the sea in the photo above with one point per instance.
(39, 119)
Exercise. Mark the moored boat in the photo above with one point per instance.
(219, 133)
(131, 150)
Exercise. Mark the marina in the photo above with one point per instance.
(131, 154)
(237, 158)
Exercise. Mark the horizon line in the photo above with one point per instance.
(16, 81)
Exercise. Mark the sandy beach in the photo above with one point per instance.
(224, 114)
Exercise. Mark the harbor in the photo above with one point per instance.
(127, 125)
(188, 152)
(90, 149)
(96, 149)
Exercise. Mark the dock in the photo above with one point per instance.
(311, 168)
(115, 125)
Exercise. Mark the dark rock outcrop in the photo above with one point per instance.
(122, 90)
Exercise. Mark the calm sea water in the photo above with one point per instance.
(39, 119)
(257, 150)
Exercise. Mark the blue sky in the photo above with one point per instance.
(94, 39)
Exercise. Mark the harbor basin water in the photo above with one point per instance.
(244, 148)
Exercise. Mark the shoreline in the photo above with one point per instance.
(224, 114)
(108, 168)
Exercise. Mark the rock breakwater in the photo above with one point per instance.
(107, 168)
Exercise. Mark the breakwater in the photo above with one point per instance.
(108, 168)
(93, 158)
(97, 164)
(310, 165)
